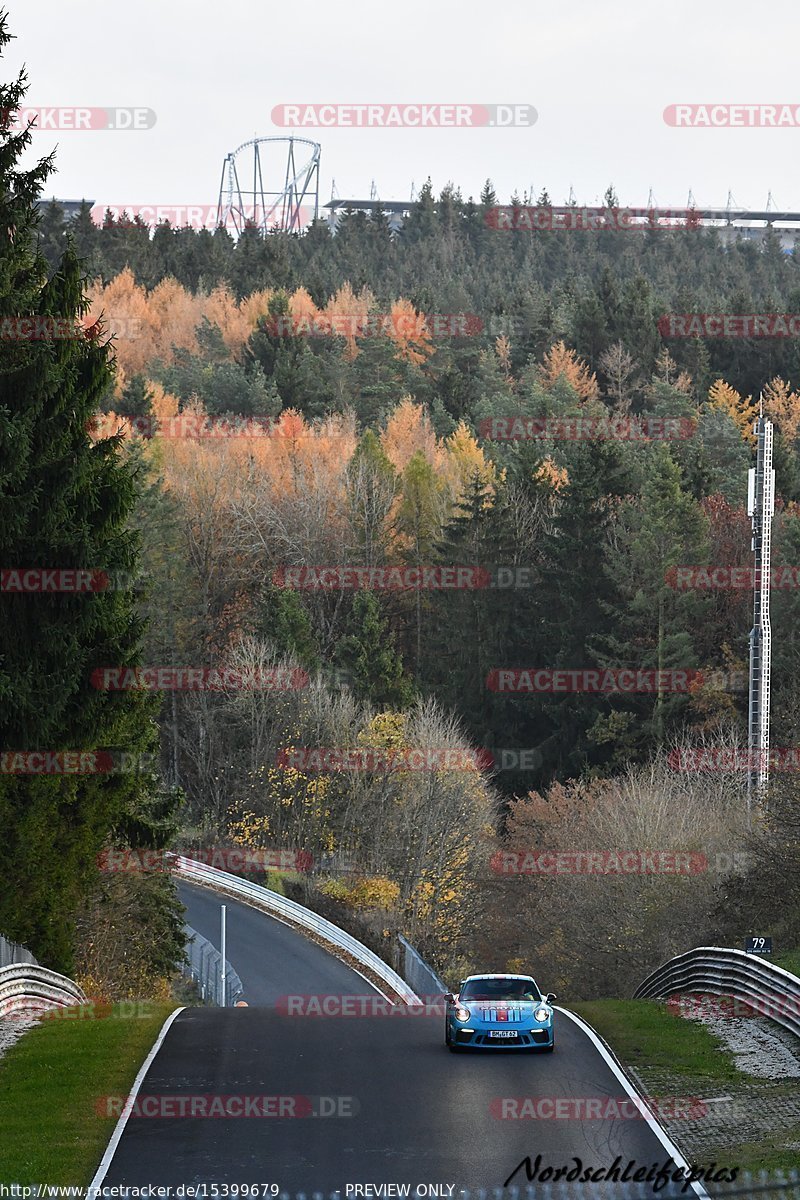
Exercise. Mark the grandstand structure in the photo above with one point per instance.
(732, 223)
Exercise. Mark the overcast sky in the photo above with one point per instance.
(599, 75)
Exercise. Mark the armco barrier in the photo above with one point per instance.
(26, 987)
(295, 914)
(416, 972)
(204, 967)
(12, 952)
(769, 990)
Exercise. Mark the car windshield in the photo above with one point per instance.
(499, 989)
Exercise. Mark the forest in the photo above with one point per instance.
(285, 410)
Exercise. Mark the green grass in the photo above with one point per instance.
(790, 961)
(645, 1033)
(776, 1152)
(647, 1036)
(50, 1083)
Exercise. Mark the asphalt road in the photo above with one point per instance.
(403, 1110)
(270, 958)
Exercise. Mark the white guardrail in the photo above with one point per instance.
(279, 906)
(769, 990)
(28, 988)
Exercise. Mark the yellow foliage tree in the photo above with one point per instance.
(502, 348)
(466, 464)
(549, 472)
(408, 430)
(743, 411)
(409, 332)
(560, 361)
(348, 314)
(782, 406)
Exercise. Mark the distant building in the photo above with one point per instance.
(730, 223)
(396, 210)
(70, 208)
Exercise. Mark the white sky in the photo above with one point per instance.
(598, 73)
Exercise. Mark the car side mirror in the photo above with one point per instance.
(449, 997)
(551, 996)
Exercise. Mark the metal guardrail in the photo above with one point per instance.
(416, 972)
(270, 902)
(12, 952)
(769, 990)
(27, 987)
(204, 966)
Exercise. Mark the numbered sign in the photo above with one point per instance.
(758, 945)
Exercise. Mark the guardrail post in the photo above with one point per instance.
(223, 931)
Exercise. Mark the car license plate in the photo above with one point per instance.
(505, 1033)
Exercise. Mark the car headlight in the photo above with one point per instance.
(542, 1014)
(462, 1014)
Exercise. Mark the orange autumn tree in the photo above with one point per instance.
(561, 362)
(743, 412)
(173, 314)
(550, 473)
(466, 465)
(235, 321)
(147, 326)
(782, 406)
(408, 431)
(348, 314)
(409, 331)
(502, 349)
(304, 312)
(123, 307)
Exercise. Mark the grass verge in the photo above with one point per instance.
(660, 1046)
(790, 961)
(645, 1033)
(50, 1083)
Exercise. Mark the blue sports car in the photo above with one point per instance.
(499, 1012)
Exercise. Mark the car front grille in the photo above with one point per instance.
(536, 1037)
